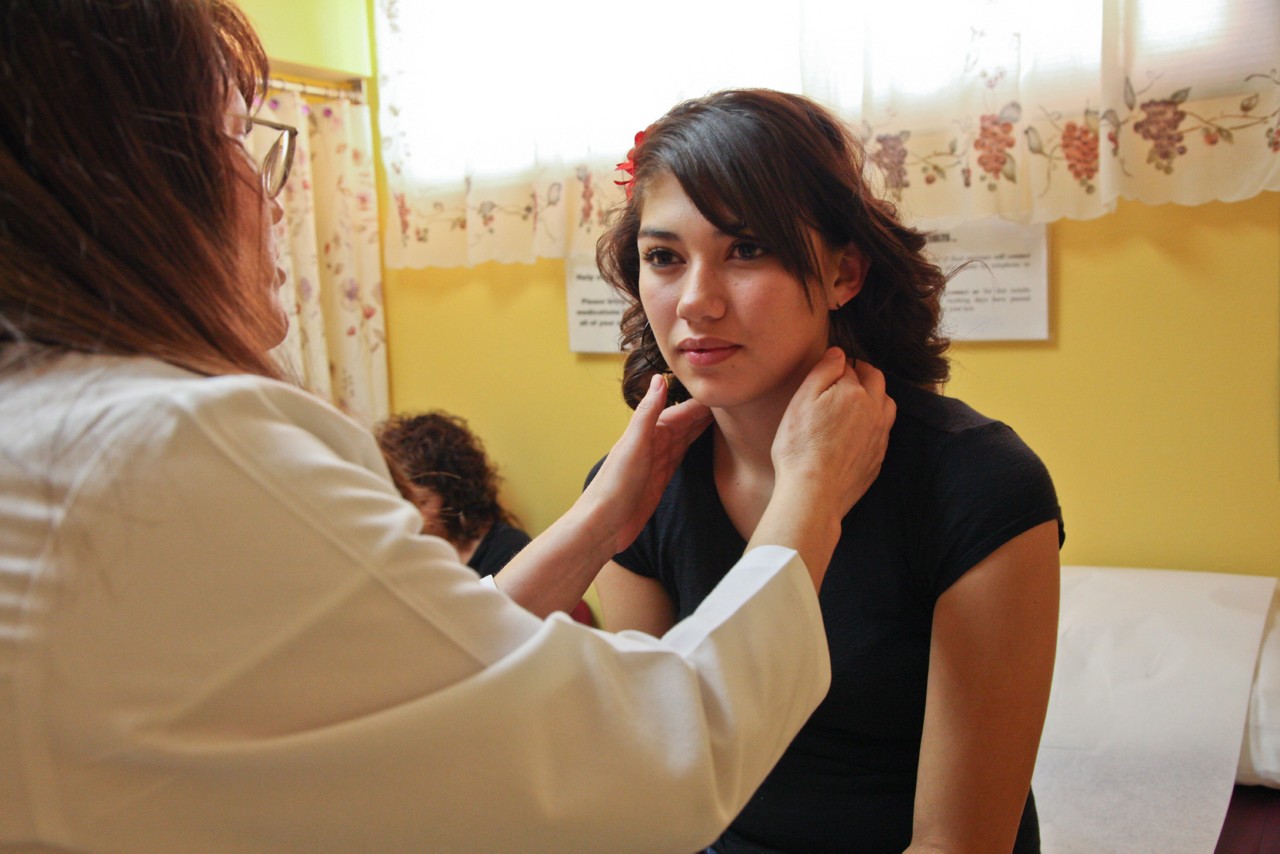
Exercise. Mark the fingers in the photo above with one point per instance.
(656, 396)
(873, 382)
(870, 377)
(629, 484)
(657, 432)
(690, 416)
(827, 372)
(649, 409)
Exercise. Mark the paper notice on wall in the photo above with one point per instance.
(595, 309)
(1002, 294)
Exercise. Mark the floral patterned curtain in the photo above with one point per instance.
(329, 248)
(1027, 110)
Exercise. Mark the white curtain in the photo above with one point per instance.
(329, 248)
(500, 134)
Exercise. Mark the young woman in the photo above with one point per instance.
(749, 243)
(220, 627)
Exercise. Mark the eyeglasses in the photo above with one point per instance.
(274, 166)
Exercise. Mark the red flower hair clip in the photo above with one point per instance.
(629, 166)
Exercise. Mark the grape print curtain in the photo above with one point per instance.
(329, 244)
(503, 145)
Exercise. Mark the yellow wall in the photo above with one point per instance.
(327, 39)
(1156, 404)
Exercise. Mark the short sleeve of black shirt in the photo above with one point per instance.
(499, 546)
(987, 488)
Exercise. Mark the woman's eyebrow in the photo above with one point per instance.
(663, 234)
(657, 234)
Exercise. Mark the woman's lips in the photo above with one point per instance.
(705, 353)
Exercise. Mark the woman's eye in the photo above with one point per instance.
(240, 127)
(748, 251)
(659, 257)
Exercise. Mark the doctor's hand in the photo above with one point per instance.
(835, 430)
(826, 454)
(553, 572)
(626, 490)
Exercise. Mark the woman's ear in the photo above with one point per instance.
(850, 272)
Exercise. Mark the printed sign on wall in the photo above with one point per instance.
(1002, 294)
(595, 309)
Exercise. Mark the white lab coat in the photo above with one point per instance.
(221, 631)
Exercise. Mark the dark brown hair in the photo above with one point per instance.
(775, 164)
(438, 451)
(118, 182)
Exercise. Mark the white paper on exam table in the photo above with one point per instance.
(1148, 706)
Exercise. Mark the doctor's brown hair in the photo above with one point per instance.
(118, 201)
(774, 165)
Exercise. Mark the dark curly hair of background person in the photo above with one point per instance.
(438, 451)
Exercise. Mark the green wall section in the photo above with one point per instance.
(327, 39)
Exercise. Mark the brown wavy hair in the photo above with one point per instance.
(117, 183)
(776, 164)
(437, 451)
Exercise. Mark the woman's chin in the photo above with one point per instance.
(282, 326)
(275, 331)
(710, 395)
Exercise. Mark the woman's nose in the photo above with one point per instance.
(702, 297)
(277, 210)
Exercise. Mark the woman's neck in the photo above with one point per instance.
(467, 549)
(745, 434)
(742, 461)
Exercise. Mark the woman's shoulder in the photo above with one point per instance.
(933, 411)
(957, 443)
(141, 439)
(136, 405)
(95, 381)
(980, 483)
(939, 426)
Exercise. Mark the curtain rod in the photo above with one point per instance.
(355, 94)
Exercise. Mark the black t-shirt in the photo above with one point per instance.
(498, 547)
(954, 487)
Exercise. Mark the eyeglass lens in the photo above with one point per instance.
(277, 163)
(273, 171)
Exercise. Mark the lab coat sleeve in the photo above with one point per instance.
(262, 653)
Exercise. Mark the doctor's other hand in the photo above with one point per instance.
(835, 430)
(634, 475)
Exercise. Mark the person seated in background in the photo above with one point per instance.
(455, 487)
